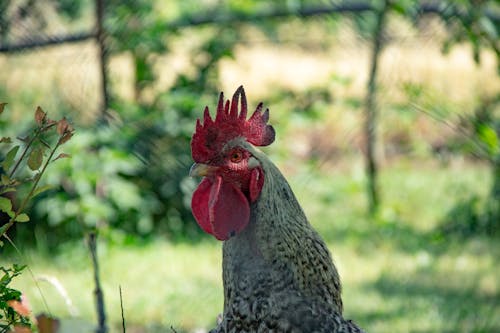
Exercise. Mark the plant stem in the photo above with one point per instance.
(37, 133)
(121, 307)
(99, 297)
(33, 188)
(28, 267)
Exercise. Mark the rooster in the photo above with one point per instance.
(278, 274)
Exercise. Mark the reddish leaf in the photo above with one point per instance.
(50, 122)
(47, 324)
(22, 329)
(65, 130)
(40, 116)
(21, 307)
(65, 137)
(62, 155)
(62, 126)
(2, 106)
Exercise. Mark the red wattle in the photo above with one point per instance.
(220, 208)
(199, 205)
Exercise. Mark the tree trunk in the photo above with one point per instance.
(103, 57)
(371, 113)
(99, 297)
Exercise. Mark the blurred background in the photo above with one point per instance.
(388, 128)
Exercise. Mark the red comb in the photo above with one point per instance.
(210, 137)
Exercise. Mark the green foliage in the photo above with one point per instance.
(132, 175)
(302, 108)
(136, 27)
(38, 14)
(44, 139)
(95, 188)
(70, 8)
(129, 177)
(488, 136)
(10, 300)
(468, 20)
(137, 169)
(482, 131)
(472, 216)
(484, 126)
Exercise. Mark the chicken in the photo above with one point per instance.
(278, 274)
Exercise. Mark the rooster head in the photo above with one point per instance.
(233, 176)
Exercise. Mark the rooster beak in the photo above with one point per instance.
(201, 170)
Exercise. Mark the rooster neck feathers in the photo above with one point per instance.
(280, 237)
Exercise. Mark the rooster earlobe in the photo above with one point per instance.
(256, 183)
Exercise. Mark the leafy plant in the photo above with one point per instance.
(468, 20)
(126, 179)
(12, 311)
(482, 140)
(137, 28)
(98, 188)
(33, 149)
(23, 165)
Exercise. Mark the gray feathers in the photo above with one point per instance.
(278, 273)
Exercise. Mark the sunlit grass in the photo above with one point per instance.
(162, 284)
(397, 275)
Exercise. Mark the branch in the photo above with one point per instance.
(121, 307)
(346, 7)
(99, 297)
(371, 110)
(48, 41)
(273, 14)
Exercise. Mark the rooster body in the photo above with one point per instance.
(278, 274)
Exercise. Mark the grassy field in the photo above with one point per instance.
(398, 274)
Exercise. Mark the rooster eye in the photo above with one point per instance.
(236, 156)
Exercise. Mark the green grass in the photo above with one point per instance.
(398, 275)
